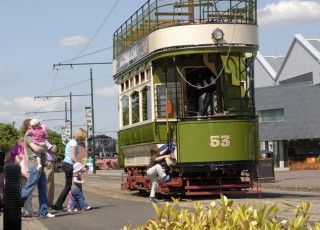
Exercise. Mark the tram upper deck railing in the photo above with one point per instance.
(158, 14)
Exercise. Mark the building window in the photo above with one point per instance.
(271, 115)
(125, 110)
(146, 103)
(135, 107)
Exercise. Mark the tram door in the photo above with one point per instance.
(201, 99)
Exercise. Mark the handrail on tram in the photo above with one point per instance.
(158, 14)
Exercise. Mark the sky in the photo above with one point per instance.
(37, 34)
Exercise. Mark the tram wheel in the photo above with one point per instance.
(12, 197)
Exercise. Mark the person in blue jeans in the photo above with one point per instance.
(36, 177)
(76, 189)
(70, 157)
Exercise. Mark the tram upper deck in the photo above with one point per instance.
(155, 15)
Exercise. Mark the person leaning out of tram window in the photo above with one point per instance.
(155, 172)
(70, 157)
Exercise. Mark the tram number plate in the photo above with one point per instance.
(223, 141)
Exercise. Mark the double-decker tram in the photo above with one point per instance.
(185, 71)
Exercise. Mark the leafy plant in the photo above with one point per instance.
(226, 216)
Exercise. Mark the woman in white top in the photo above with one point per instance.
(71, 151)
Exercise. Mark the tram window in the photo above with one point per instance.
(170, 104)
(131, 82)
(142, 77)
(148, 74)
(125, 110)
(135, 107)
(200, 92)
(146, 103)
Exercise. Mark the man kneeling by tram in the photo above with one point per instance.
(155, 171)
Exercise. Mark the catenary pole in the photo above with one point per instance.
(93, 139)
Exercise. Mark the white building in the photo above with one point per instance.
(287, 100)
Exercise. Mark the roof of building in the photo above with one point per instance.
(266, 65)
(315, 43)
(275, 61)
(307, 45)
(273, 65)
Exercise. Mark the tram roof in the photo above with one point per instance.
(159, 14)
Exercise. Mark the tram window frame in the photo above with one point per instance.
(148, 73)
(142, 77)
(128, 121)
(146, 112)
(122, 87)
(123, 121)
(135, 102)
(160, 100)
(131, 85)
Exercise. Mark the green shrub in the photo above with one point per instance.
(227, 217)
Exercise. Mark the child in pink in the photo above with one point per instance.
(39, 136)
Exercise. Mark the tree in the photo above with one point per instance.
(9, 136)
(55, 138)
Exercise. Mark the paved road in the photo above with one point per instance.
(118, 208)
(107, 213)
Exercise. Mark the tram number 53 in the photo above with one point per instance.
(223, 141)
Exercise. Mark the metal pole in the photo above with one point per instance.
(66, 109)
(71, 115)
(93, 141)
(165, 70)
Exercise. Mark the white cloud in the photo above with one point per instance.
(286, 12)
(4, 102)
(73, 41)
(28, 104)
(107, 91)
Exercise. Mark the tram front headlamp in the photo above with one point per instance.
(217, 34)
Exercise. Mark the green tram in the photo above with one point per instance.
(185, 70)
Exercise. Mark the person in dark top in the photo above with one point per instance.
(155, 171)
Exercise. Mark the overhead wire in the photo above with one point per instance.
(66, 87)
(77, 56)
(94, 52)
(95, 34)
